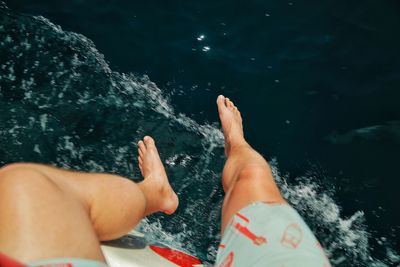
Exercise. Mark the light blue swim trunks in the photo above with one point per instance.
(67, 262)
(275, 235)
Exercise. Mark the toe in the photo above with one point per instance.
(221, 103)
(237, 112)
(220, 100)
(140, 165)
(140, 152)
(141, 146)
(140, 160)
(149, 141)
(230, 104)
(227, 102)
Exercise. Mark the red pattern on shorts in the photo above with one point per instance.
(292, 236)
(242, 217)
(257, 240)
(227, 262)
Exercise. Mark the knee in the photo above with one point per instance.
(248, 171)
(14, 167)
(259, 180)
(254, 171)
(20, 176)
(18, 170)
(251, 175)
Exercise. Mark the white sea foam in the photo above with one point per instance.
(36, 148)
(345, 239)
(43, 121)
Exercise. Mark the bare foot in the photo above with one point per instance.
(231, 121)
(159, 194)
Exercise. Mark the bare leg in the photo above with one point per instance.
(52, 213)
(246, 177)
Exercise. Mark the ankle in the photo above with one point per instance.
(158, 197)
(239, 146)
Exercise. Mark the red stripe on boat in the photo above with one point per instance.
(178, 257)
(57, 265)
(9, 262)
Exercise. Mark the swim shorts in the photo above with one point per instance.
(67, 262)
(264, 234)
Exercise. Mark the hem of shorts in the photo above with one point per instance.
(255, 203)
(261, 202)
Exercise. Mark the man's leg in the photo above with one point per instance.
(52, 213)
(246, 177)
(266, 233)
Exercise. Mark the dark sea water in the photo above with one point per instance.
(318, 84)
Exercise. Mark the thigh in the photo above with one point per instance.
(263, 234)
(40, 220)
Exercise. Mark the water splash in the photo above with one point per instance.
(345, 239)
